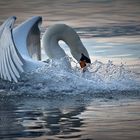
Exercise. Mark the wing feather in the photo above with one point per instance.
(11, 68)
(2, 67)
(28, 34)
(12, 65)
(6, 75)
(16, 58)
(11, 62)
(8, 66)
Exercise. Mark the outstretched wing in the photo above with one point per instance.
(11, 62)
(28, 34)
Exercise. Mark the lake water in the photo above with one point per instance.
(103, 103)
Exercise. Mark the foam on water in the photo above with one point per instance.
(56, 78)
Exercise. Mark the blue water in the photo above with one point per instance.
(102, 103)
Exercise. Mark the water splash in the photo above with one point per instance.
(55, 78)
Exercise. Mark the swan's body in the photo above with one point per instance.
(19, 46)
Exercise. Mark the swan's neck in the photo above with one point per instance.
(62, 32)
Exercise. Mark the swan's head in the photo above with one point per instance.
(67, 34)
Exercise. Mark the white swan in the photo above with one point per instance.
(19, 46)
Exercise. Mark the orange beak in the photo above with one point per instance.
(82, 64)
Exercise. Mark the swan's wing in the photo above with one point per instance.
(11, 62)
(28, 34)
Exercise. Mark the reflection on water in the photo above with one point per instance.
(70, 118)
(37, 118)
(9, 125)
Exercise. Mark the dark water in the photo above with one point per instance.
(110, 29)
(69, 117)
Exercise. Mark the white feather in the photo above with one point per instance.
(10, 60)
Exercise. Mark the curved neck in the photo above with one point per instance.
(62, 32)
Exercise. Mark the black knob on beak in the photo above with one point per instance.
(84, 58)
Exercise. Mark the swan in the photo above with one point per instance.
(20, 49)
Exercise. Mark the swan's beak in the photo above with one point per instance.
(84, 61)
(82, 64)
